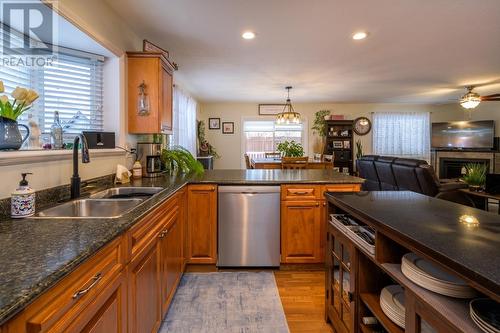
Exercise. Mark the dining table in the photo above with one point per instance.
(275, 163)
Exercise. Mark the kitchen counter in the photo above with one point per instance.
(36, 253)
(432, 226)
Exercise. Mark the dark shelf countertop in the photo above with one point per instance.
(432, 226)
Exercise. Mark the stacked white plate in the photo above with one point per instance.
(486, 314)
(430, 277)
(392, 302)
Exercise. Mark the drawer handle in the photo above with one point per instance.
(95, 281)
(301, 192)
(163, 233)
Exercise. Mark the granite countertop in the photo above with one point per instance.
(433, 226)
(36, 253)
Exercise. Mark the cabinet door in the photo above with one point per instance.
(108, 312)
(202, 224)
(300, 232)
(144, 293)
(167, 99)
(171, 259)
(144, 69)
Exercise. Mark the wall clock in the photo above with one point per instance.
(362, 126)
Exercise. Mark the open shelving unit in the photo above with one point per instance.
(369, 274)
(339, 144)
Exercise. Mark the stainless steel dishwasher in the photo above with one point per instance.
(249, 226)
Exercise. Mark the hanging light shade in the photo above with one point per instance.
(470, 100)
(288, 115)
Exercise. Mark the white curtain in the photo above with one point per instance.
(184, 120)
(402, 134)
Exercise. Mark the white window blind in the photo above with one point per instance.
(73, 86)
(184, 120)
(402, 134)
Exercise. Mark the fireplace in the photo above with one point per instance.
(450, 168)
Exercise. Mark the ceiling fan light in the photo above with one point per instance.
(470, 100)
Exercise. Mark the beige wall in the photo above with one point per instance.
(229, 145)
(98, 20)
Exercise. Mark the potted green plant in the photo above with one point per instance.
(319, 126)
(290, 149)
(10, 110)
(179, 159)
(475, 175)
(204, 147)
(359, 149)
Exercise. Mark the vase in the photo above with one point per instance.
(10, 136)
(475, 188)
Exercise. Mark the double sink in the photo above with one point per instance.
(110, 203)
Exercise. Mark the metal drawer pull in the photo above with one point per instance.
(163, 233)
(82, 292)
(301, 193)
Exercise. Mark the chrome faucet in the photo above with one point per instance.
(75, 179)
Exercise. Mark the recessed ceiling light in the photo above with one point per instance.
(248, 35)
(359, 35)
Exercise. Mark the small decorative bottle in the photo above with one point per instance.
(137, 170)
(57, 132)
(22, 202)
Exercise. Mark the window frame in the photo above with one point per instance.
(305, 135)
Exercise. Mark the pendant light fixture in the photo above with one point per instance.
(288, 115)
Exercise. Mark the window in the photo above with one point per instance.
(260, 136)
(404, 134)
(184, 120)
(73, 86)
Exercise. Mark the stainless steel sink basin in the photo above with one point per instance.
(126, 192)
(91, 208)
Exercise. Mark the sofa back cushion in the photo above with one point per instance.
(383, 165)
(366, 169)
(405, 173)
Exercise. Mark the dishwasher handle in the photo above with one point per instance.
(249, 189)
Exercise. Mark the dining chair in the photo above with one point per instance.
(247, 161)
(294, 162)
(273, 155)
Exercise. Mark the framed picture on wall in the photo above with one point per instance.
(270, 109)
(214, 123)
(228, 127)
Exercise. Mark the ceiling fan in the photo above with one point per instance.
(472, 99)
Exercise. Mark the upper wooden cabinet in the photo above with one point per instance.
(202, 224)
(157, 74)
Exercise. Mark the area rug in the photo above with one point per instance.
(240, 302)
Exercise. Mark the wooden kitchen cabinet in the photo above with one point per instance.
(157, 74)
(202, 224)
(171, 258)
(144, 292)
(303, 216)
(90, 299)
(300, 231)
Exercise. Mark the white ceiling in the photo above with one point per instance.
(417, 52)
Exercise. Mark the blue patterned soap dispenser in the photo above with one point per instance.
(22, 202)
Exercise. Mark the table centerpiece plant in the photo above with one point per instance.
(475, 175)
(290, 149)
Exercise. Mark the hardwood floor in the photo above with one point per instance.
(303, 297)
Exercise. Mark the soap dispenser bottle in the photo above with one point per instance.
(22, 199)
